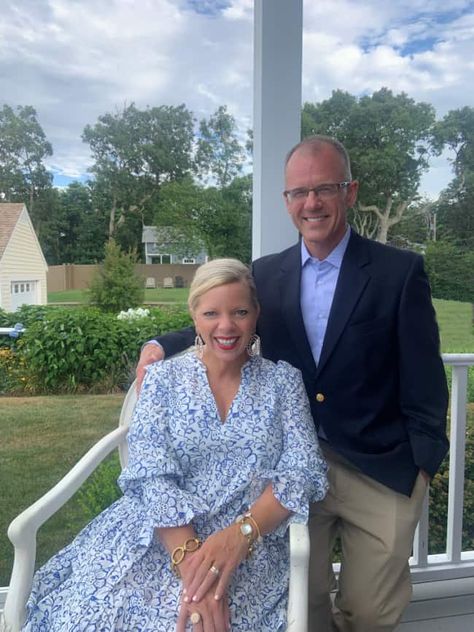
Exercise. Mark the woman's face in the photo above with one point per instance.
(226, 318)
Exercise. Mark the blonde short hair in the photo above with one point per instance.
(220, 272)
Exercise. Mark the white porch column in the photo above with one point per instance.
(278, 28)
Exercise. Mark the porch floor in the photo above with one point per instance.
(441, 606)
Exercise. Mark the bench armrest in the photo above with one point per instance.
(299, 565)
(22, 530)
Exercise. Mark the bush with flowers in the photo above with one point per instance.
(67, 350)
(133, 314)
(13, 374)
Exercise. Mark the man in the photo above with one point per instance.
(356, 318)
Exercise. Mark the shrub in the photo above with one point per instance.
(116, 286)
(84, 349)
(13, 374)
(70, 349)
(439, 501)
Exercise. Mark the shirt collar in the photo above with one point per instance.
(334, 257)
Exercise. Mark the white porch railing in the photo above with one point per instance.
(454, 563)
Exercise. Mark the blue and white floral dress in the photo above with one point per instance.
(186, 465)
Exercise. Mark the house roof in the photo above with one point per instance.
(155, 234)
(9, 215)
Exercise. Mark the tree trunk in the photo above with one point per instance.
(113, 211)
(382, 232)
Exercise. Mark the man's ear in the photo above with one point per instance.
(352, 191)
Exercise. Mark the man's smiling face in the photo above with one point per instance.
(321, 223)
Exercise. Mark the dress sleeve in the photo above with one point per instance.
(299, 477)
(154, 474)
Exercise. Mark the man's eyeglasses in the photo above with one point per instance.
(323, 192)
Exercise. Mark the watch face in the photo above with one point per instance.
(246, 529)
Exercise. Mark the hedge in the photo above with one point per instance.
(67, 350)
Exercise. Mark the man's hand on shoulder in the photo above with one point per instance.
(151, 352)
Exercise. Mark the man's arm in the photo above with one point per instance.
(163, 346)
(423, 388)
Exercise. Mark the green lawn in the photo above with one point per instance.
(456, 327)
(42, 438)
(159, 295)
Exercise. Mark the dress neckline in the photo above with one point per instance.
(244, 372)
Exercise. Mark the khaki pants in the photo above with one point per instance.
(376, 527)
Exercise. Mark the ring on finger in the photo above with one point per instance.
(195, 617)
(214, 570)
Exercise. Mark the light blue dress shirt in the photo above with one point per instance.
(318, 284)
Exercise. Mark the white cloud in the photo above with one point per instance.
(74, 60)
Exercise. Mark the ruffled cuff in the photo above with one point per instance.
(295, 494)
(162, 505)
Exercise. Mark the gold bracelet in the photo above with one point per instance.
(177, 556)
(249, 516)
(249, 528)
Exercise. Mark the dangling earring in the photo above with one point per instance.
(199, 346)
(253, 347)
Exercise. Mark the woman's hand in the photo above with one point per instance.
(209, 615)
(209, 569)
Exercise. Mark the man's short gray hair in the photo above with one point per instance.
(313, 144)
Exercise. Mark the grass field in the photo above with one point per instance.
(42, 437)
(159, 295)
(456, 326)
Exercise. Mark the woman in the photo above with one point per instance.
(222, 457)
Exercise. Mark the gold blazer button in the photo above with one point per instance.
(320, 397)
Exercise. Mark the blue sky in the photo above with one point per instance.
(74, 60)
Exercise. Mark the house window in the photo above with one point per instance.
(22, 287)
(189, 260)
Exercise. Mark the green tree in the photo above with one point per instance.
(389, 138)
(414, 229)
(454, 214)
(455, 132)
(116, 287)
(454, 211)
(23, 149)
(220, 154)
(135, 152)
(237, 197)
(82, 226)
(216, 220)
(451, 271)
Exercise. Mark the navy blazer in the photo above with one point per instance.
(379, 390)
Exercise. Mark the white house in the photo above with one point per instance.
(22, 264)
